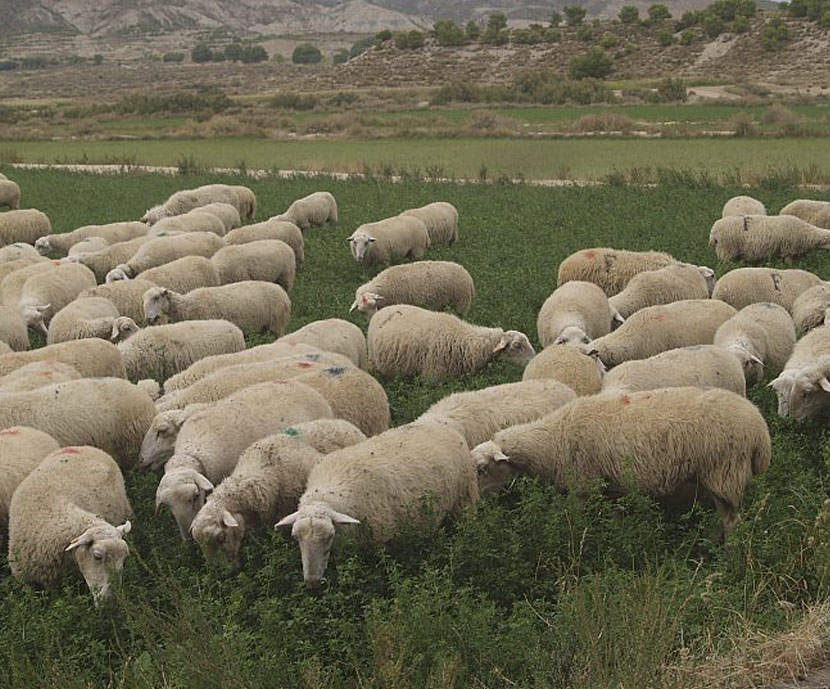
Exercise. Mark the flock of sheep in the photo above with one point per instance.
(641, 381)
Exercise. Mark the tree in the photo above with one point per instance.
(658, 11)
(447, 32)
(629, 14)
(595, 64)
(774, 34)
(382, 36)
(253, 53)
(495, 31)
(233, 51)
(574, 14)
(97, 59)
(555, 18)
(218, 56)
(361, 46)
(201, 53)
(409, 40)
(340, 56)
(713, 25)
(306, 54)
(473, 31)
(665, 37)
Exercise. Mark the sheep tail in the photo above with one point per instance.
(761, 458)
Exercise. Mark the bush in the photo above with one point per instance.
(35, 62)
(291, 100)
(473, 31)
(585, 33)
(689, 18)
(208, 101)
(671, 90)
(382, 36)
(306, 54)
(742, 125)
(687, 37)
(774, 34)
(97, 59)
(658, 12)
(740, 25)
(665, 37)
(340, 56)
(218, 56)
(496, 29)
(729, 10)
(360, 47)
(253, 53)
(713, 25)
(574, 14)
(7, 65)
(201, 53)
(409, 40)
(233, 51)
(608, 40)
(172, 57)
(595, 64)
(629, 14)
(555, 18)
(447, 32)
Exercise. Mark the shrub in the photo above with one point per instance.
(233, 51)
(218, 56)
(360, 47)
(729, 10)
(201, 53)
(595, 64)
(574, 14)
(291, 100)
(409, 40)
(687, 37)
(742, 125)
(778, 113)
(604, 122)
(689, 18)
(495, 32)
(629, 14)
(306, 54)
(35, 62)
(585, 33)
(555, 18)
(658, 12)
(340, 56)
(713, 25)
(774, 34)
(7, 65)
(447, 32)
(172, 57)
(382, 36)
(608, 40)
(552, 36)
(665, 37)
(253, 53)
(740, 25)
(671, 90)
(473, 32)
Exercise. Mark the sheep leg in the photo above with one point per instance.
(727, 513)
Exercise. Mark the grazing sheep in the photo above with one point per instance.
(283, 230)
(43, 295)
(9, 194)
(228, 214)
(761, 336)
(18, 250)
(183, 275)
(186, 200)
(657, 329)
(700, 366)
(12, 285)
(756, 237)
(810, 309)
(390, 239)
(744, 286)
(88, 246)
(10, 267)
(441, 220)
(108, 413)
(90, 317)
(211, 441)
(318, 208)
(383, 482)
(266, 484)
(269, 260)
(802, 385)
(332, 335)
(127, 295)
(114, 233)
(37, 375)
(577, 312)
(245, 201)
(429, 284)
(23, 226)
(92, 358)
(744, 205)
(480, 414)
(13, 329)
(610, 269)
(161, 250)
(65, 511)
(103, 261)
(657, 442)
(192, 221)
(21, 450)
(407, 340)
(253, 306)
(580, 372)
(663, 286)
(160, 439)
(814, 212)
(165, 350)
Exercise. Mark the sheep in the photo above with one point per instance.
(318, 208)
(103, 261)
(754, 238)
(480, 414)
(814, 212)
(610, 269)
(45, 294)
(441, 220)
(165, 350)
(183, 275)
(381, 481)
(744, 286)
(186, 200)
(800, 386)
(663, 286)
(407, 340)
(18, 250)
(332, 335)
(285, 231)
(24, 226)
(9, 194)
(266, 484)
(245, 201)
(744, 205)
(761, 336)
(127, 295)
(228, 214)
(700, 366)
(64, 511)
(13, 329)
(390, 239)
(429, 284)
(89, 245)
(12, 285)
(114, 233)
(161, 250)
(90, 317)
(811, 308)
(211, 441)
(37, 375)
(577, 312)
(253, 306)
(656, 329)
(160, 439)
(269, 260)
(580, 372)
(657, 442)
(13, 266)
(192, 221)
(108, 413)
(92, 359)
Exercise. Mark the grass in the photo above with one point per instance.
(534, 589)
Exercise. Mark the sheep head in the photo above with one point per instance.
(572, 335)
(184, 491)
(157, 305)
(810, 394)
(367, 303)
(515, 347)
(122, 328)
(783, 386)
(218, 533)
(708, 275)
(160, 439)
(35, 316)
(43, 245)
(100, 552)
(753, 366)
(120, 272)
(359, 243)
(492, 466)
(154, 214)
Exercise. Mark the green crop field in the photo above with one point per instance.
(534, 588)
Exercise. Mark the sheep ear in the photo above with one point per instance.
(353, 306)
(827, 317)
(755, 360)
(228, 520)
(159, 502)
(83, 540)
(287, 521)
(125, 528)
(348, 239)
(203, 483)
(115, 331)
(824, 384)
(43, 308)
(501, 345)
(501, 457)
(372, 239)
(340, 518)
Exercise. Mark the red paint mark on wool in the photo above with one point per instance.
(70, 451)
(304, 364)
(44, 373)
(55, 262)
(590, 254)
(659, 317)
(626, 400)
(10, 431)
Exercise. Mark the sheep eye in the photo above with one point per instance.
(97, 556)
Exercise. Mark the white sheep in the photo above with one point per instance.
(90, 317)
(429, 284)
(9, 194)
(388, 240)
(270, 260)
(814, 212)
(228, 214)
(266, 484)
(160, 439)
(744, 286)
(253, 306)
(192, 221)
(114, 233)
(577, 312)
(127, 295)
(183, 275)
(332, 335)
(92, 359)
(43, 295)
(479, 414)
(186, 200)
(700, 366)
(211, 441)
(245, 201)
(407, 340)
(88, 246)
(165, 350)
(663, 286)
(108, 413)
(382, 482)
(657, 329)
(744, 205)
(802, 385)
(656, 441)
(12, 285)
(161, 250)
(812, 308)
(103, 261)
(18, 250)
(580, 372)
(24, 226)
(37, 375)
(318, 208)
(64, 511)
(441, 220)
(754, 238)
(761, 336)
(610, 269)
(283, 230)
(13, 329)
(10, 267)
